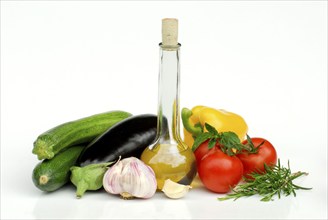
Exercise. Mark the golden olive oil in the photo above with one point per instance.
(169, 161)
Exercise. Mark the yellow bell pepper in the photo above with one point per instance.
(194, 122)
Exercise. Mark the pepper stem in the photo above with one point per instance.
(195, 130)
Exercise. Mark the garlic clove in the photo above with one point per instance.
(175, 190)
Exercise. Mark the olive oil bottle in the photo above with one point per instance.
(169, 156)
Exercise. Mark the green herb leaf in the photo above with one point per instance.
(230, 143)
(211, 129)
(200, 139)
(211, 143)
(277, 180)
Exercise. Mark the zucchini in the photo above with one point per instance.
(80, 131)
(50, 175)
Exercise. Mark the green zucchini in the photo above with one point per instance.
(80, 131)
(50, 175)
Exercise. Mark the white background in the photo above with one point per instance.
(266, 61)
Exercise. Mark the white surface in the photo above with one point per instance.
(266, 61)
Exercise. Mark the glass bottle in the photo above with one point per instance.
(169, 156)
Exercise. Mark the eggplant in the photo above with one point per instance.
(127, 138)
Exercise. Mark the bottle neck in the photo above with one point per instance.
(168, 125)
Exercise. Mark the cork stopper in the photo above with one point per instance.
(169, 32)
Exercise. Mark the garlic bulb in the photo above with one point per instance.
(175, 190)
(130, 178)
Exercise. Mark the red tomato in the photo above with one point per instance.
(201, 151)
(220, 172)
(255, 162)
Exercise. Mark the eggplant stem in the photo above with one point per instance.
(81, 187)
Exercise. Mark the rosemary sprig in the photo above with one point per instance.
(277, 180)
